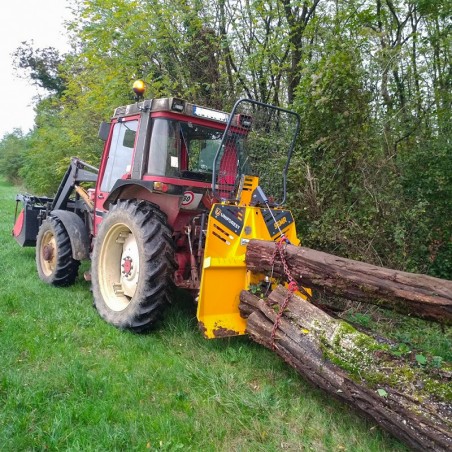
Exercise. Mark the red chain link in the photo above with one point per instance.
(292, 286)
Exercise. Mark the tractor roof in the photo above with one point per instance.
(173, 105)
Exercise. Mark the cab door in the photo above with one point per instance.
(117, 162)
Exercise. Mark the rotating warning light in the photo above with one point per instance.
(139, 88)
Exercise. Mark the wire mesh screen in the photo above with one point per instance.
(258, 141)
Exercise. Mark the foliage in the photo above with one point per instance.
(371, 80)
(341, 177)
(13, 149)
(41, 65)
(407, 335)
(427, 180)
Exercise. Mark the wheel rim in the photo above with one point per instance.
(48, 254)
(119, 267)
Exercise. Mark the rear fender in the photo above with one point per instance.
(169, 203)
(77, 231)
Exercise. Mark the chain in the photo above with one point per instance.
(292, 286)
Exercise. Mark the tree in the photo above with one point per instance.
(42, 66)
(371, 80)
(13, 148)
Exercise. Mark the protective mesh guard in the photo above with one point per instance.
(258, 141)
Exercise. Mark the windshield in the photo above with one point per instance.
(187, 150)
(200, 144)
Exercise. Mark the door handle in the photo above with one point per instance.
(101, 196)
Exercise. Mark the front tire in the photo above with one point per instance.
(54, 259)
(133, 265)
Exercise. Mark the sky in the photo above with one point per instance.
(41, 21)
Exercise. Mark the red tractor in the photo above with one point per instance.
(179, 193)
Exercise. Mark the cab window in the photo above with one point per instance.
(182, 149)
(121, 153)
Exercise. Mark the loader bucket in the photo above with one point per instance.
(224, 273)
(26, 226)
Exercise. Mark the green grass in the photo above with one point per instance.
(69, 381)
(409, 334)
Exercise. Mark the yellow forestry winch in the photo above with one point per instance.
(224, 273)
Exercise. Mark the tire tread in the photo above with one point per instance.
(158, 264)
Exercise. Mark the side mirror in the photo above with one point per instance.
(104, 130)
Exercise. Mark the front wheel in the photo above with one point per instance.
(54, 259)
(133, 265)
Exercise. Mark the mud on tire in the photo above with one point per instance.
(133, 265)
(54, 259)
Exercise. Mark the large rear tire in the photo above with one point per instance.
(54, 259)
(133, 265)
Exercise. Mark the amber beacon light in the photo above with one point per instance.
(139, 88)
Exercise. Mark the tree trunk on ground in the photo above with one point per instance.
(409, 293)
(411, 403)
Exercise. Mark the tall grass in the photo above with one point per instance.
(69, 381)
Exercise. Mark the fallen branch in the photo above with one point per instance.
(409, 293)
(406, 400)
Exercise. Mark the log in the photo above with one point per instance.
(406, 400)
(412, 294)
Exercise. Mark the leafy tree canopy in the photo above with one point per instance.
(371, 80)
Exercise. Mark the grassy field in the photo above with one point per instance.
(69, 381)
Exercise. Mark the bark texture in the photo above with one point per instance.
(406, 400)
(409, 293)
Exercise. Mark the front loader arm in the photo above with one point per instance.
(78, 171)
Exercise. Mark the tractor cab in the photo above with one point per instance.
(167, 151)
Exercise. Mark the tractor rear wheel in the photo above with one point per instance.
(54, 259)
(133, 265)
